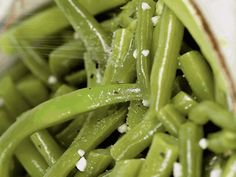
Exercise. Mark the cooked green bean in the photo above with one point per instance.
(121, 64)
(171, 119)
(87, 140)
(207, 110)
(198, 74)
(137, 139)
(165, 61)
(67, 135)
(183, 102)
(143, 36)
(221, 141)
(161, 156)
(33, 90)
(76, 78)
(92, 34)
(65, 57)
(229, 169)
(190, 152)
(136, 113)
(97, 162)
(13, 101)
(127, 168)
(47, 146)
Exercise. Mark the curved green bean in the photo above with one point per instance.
(229, 169)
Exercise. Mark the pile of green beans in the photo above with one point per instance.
(118, 90)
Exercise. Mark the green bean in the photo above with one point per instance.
(143, 36)
(86, 140)
(35, 63)
(190, 152)
(156, 20)
(221, 141)
(67, 135)
(62, 90)
(16, 71)
(171, 119)
(76, 78)
(31, 160)
(161, 156)
(198, 74)
(136, 113)
(136, 139)
(94, 75)
(33, 91)
(165, 61)
(121, 64)
(47, 146)
(65, 57)
(229, 169)
(12, 99)
(129, 168)
(92, 34)
(97, 162)
(207, 110)
(183, 102)
(5, 121)
(47, 114)
(184, 11)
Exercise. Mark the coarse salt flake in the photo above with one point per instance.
(145, 103)
(145, 6)
(123, 128)
(155, 20)
(216, 172)
(81, 164)
(145, 52)
(177, 171)
(81, 152)
(203, 143)
(52, 80)
(135, 54)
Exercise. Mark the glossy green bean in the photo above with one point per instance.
(65, 57)
(156, 20)
(207, 110)
(161, 156)
(129, 168)
(171, 119)
(198, 74)
(97, 162)
(15, 71)
(47, 114)
(221, 141)
(137, 139)
(31, 160)
(190, 152)
(93, 72)
(136, 113)
(47, 146)
(68, 134)
(13, 101)
(183, 102)
(143, 36)
(229, 169)
(5, 121)
(33, 90)
(76, 78)
(165, 60)
(92, 34)
(86, 140)
(121, 64)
